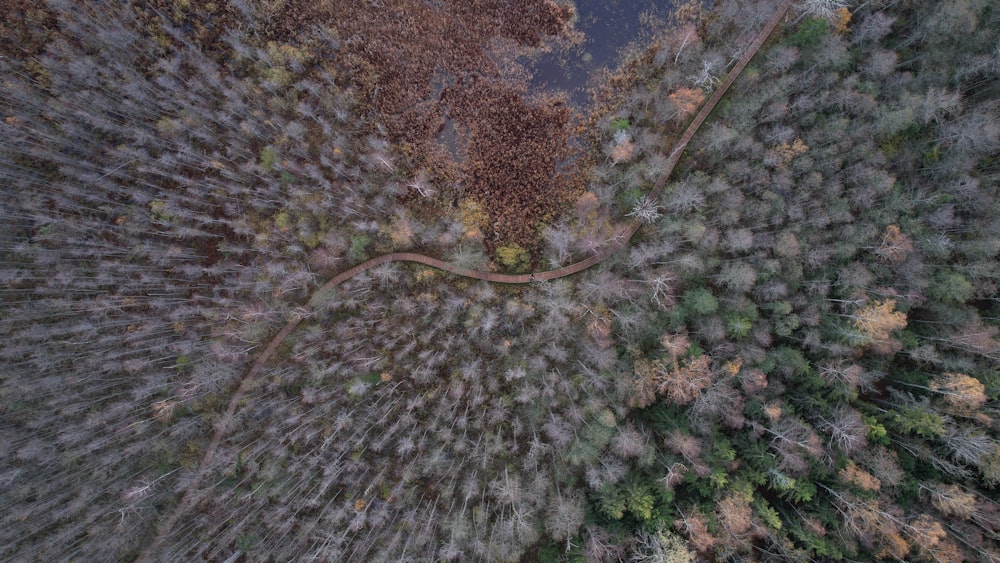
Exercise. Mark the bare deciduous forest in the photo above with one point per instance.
(796, 356)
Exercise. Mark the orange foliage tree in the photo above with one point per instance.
(959, 390)
(680, 382)
(686, 101)
(841, 18)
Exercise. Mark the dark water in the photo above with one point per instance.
(608, 27)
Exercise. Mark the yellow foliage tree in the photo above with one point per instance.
(514, 257)
(959, 390)
(587, 207)
(951, 500)
(878, 319)
(841, 18)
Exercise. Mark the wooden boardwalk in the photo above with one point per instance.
(192, 494)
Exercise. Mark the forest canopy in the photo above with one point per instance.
(795, 357)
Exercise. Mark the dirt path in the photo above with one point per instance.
(192, 495)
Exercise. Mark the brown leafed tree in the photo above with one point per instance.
(874, 523)
(684, 385)
(675, 345)
(686, 101)
(859, 477)
(894, 246)
(883, 464)
(753, 380)
(930, 540)
(689, 447)
(621, 149)
(976, 338)
(692, 524)
(640, 391)
(600, 330)
(736, 517)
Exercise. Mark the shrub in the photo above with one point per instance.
(700, 302)
(514, 257)
(810, 33)
(359, 247)
(268, 158)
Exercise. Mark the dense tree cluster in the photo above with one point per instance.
(469, 390)
(832, 257)
(794, 359)
(160, 213)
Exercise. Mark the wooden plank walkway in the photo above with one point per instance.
(192, 493)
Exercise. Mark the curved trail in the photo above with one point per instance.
(191, 495)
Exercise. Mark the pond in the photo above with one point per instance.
(608, 28)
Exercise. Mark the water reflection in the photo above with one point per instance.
(607, 28)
